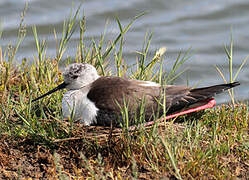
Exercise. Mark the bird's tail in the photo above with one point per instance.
(211, 91)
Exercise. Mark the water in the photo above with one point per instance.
(205, 26)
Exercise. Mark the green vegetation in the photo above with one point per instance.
(37, 142)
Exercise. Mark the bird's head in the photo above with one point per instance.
(76, 76)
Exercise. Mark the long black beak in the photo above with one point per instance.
(61, 86)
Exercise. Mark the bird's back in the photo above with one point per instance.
(112, 92)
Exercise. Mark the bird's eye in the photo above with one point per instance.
(74, 76)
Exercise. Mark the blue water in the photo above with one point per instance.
(203, 26)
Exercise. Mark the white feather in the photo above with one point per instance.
(75, 104)
(149, 84)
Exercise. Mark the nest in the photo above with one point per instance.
(102, 134)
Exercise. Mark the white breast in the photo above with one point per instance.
(77, 106)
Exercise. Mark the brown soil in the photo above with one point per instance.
(23, 158)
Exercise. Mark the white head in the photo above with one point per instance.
(78, 75)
